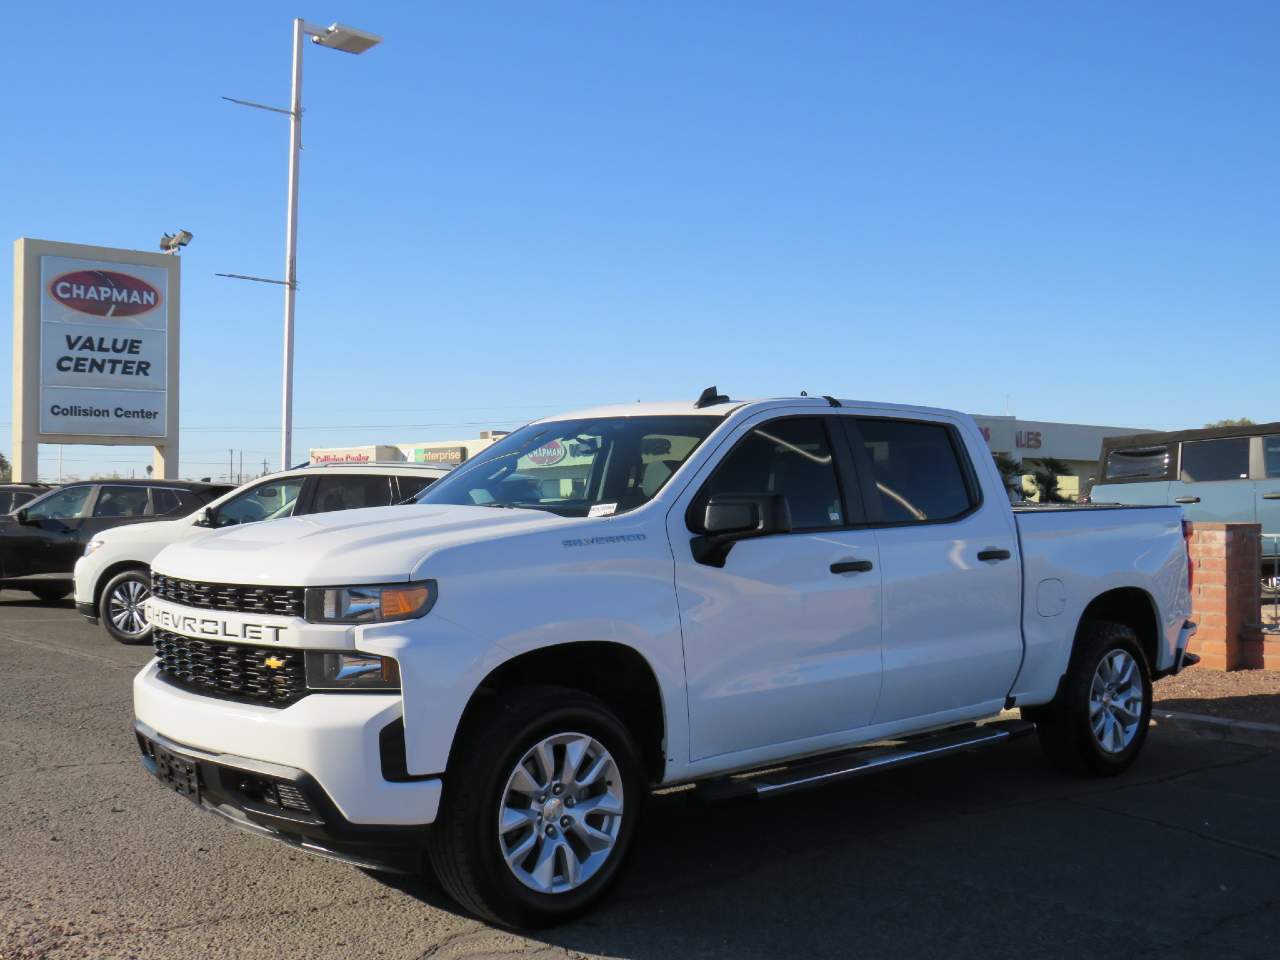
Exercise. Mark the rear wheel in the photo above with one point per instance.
(50, 594)
(1098, 722)
(120, 609)
(539, 808)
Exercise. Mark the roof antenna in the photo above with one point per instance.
(709, 398)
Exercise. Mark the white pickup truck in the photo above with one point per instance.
(757, 597)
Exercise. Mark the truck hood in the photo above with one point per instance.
(374, 545)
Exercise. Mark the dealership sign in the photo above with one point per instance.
(95, 350)
(104, 348)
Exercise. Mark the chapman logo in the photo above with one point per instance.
(549, 454)
(104, 293)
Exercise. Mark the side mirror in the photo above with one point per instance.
(728, 518)
(208, 518)
(23, 517)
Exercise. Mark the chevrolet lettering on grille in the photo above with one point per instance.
(194, 626)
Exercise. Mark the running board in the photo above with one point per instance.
(864, 761)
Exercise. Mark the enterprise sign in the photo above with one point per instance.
(104, 348)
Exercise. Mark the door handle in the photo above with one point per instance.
(1271, 496)
(851, 566)
(992, 553)
(1186, 499)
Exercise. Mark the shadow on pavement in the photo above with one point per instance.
(985, 855)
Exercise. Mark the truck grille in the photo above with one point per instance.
(237, 598)
(275, 676)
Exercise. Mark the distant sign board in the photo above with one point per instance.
(95, 349)
(375, 453)
(446, 455)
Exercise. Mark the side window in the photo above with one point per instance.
(164, 501)
(121, 502)
(1226, 459)
(68, 504)
(787, 457)
(1271, 456)
(350, 492)
(412, 486)
(917, 470)
(275, 498)
(1138, 463)
(7, 502)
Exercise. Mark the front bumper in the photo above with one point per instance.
(278, 802)
(334, 739)
(88, 611)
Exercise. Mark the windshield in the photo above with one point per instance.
(576, 468)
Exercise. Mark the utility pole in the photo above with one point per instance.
(336, 37)
(240, 472)
(231, 464)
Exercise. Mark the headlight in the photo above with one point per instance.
(371, 604)
(351, 671)
(91, 546)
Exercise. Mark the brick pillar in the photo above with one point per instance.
(1226, 598)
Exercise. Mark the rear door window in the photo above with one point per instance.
(350, 492)
(917, 470)
(412, 486)
(1204, 460)
(1271, 457)
(121, 502)
(164, 501)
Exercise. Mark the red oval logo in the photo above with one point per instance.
(548, 454)
(104, 293)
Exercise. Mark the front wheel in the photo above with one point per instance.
(120, 608)
(1098, 722)
(539, 808)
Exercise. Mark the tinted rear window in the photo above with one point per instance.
(1138, 463)
(1215, 460)
(1271, 455)
(918, 471)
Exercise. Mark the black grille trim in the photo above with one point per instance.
(232, 671)
(231, 597)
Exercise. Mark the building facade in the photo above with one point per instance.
(1075, 444)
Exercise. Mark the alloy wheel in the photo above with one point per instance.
(560, 813)
(125, 607)
(1115, 701)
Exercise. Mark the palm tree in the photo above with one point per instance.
(1011, 472)
(1045, 476)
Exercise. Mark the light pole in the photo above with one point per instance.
(336, 36)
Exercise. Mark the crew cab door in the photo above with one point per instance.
(949, 564)
(782, 642)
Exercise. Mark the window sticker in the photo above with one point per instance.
(602, 510)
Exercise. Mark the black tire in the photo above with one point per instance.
(1065, 726)
(114, 601)
(463, 846)
(51, 594)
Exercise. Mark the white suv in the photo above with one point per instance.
(113, 578)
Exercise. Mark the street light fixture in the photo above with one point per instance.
(336, 36)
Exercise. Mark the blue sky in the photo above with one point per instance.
(513, 208)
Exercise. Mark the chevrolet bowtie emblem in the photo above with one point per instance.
(275, 663)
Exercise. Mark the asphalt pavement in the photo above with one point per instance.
(987, 855)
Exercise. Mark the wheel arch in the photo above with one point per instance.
(117, 568)
(1132, 606)
(616, 673)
